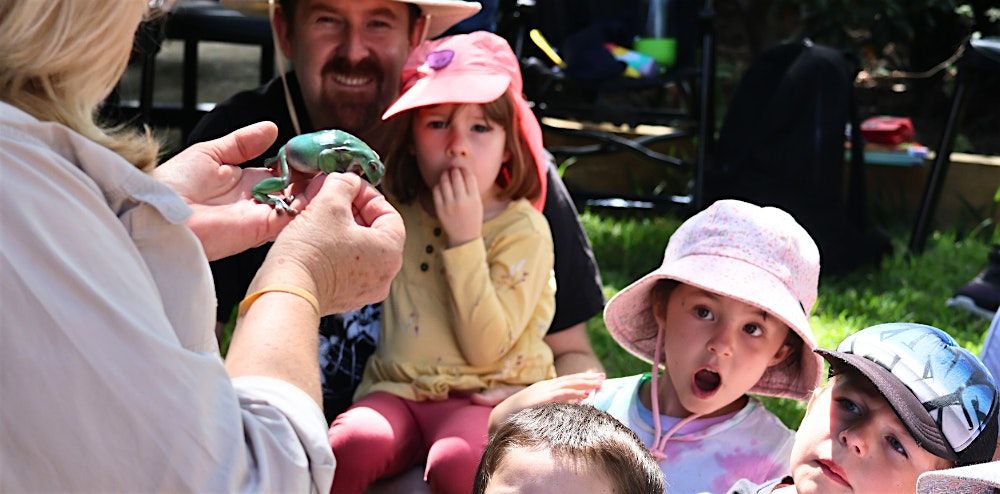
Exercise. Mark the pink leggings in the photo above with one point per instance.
(383, 435)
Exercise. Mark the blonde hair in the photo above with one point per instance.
(60, 58)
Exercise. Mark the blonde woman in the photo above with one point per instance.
(110, 377)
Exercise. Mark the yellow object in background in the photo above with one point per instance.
(544, 45)
(247, 7)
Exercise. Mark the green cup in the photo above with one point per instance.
(663, 50)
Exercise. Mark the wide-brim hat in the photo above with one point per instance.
(472, 68)
(758, 256)
(983, 478)
(442, 14)
(942, 393)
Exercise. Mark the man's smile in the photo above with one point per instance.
(351, 80)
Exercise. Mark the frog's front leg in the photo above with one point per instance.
(263, 190)
(344, 159)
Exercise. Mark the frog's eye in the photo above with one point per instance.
(375, 167)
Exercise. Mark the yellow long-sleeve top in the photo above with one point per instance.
(469, 317)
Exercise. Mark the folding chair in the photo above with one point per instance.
(192, 21)
(557, 94)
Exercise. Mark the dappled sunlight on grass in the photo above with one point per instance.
(906, 288)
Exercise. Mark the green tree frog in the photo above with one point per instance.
(325, 151)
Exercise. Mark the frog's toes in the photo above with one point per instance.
(282, 206)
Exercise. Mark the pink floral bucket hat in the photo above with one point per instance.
(757, 255)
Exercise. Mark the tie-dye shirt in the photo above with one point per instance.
(706, 455)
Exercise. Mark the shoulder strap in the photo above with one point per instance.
(280, 61)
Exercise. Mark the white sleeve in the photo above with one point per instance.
(96, 392)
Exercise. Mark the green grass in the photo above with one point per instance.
(902, 288)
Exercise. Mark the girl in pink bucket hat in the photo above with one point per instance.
(726, 314)
(476, 294)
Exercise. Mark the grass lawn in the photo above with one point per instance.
(902, 288)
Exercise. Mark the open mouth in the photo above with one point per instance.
(833, 472)
(351, 80)
(706, 382)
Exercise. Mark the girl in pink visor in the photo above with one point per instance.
(476, 293)
(726, 314)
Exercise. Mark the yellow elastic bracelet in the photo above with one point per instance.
(294, 290)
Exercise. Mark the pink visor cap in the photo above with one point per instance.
(757, 255)
(470, 68)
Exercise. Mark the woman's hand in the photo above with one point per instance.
(226, 217)
(345, 247)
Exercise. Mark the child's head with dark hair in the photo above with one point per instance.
(569, 447)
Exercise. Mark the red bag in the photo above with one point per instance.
(887, 130)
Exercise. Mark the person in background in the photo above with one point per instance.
(981, 295)
(347, 57)
(109, 368)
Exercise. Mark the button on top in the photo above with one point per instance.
(429, 249)
(437, 232)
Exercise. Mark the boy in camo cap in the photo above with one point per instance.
(903, 399)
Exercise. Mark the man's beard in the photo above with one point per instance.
(355, 113)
